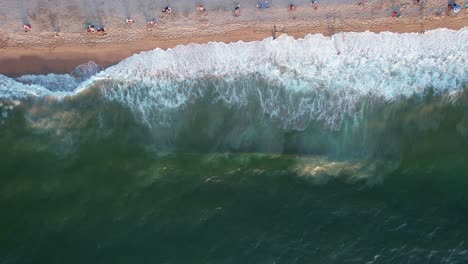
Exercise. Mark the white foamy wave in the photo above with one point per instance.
(315, 78)
(328, 76)
(11, 89)
(57, 85)
(52, 82)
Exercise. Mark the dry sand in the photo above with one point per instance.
(39, 51)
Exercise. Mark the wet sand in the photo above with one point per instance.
(39, 51)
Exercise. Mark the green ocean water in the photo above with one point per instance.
(83, 180)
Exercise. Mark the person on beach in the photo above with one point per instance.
(454, 7)
(292, 8)
(314, 4)
(101, 31)
(129, 21)
(90, 29)
(237, 10)
(150, 24)
(396, 14)
(200, 8)
(263, 5)
(27, 27)
(167, 10)
(274, 32)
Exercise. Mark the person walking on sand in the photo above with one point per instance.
(274, 32)
(150, 24)
(237, 10)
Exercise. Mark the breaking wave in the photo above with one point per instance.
(293, 81)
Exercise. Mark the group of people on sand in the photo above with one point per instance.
(263, 5)
(454, 7)
(167, 10)
(92, 30)
(151, 24)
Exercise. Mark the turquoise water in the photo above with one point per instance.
(242, 153)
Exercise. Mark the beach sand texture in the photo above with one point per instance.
(40, 51)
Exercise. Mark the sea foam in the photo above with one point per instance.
(52, 82)
(324, 77)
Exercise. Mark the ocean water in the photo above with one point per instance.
(349, 149)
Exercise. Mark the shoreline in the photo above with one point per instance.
(39, 52)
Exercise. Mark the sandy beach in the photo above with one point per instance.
(42, 51)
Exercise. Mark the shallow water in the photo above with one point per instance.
(249, 155)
